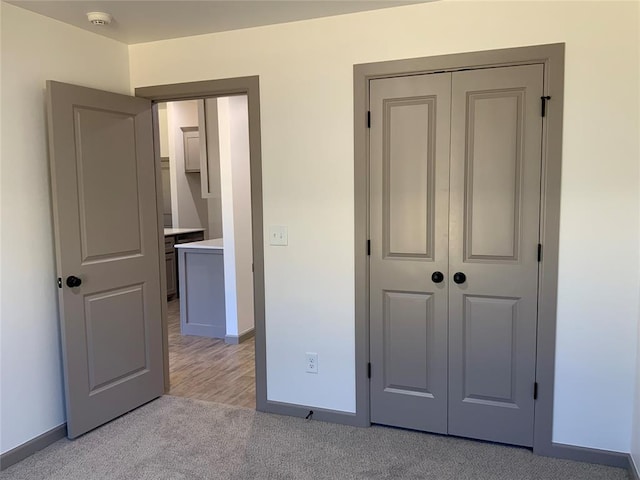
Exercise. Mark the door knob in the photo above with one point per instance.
(437, 277)
(73, 281)
(459, 277)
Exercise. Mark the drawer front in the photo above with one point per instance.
(169, 242)
(172, 285)
(190, 237)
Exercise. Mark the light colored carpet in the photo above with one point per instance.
(180, 438)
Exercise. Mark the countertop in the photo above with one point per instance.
(213, 244)
(177, 231)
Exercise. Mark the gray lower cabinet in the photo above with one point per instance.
(172, 289)
(170, 258)
(172, 237)
(201, 280)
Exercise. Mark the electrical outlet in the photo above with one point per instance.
(312, 362)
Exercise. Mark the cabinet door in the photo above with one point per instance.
(202, 303)
(170, 258)
(191, 143)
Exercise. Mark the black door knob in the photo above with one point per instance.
(73, 281)
(437, 277)
(459, 277)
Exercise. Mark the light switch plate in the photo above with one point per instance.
(278, 235)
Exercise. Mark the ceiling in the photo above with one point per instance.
(151, 20)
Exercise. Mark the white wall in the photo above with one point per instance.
(233, 133)
(189, 209)
(163, 129)
(635, 428)
(208, 115)
(34, 49)
(306, 89)
(163, 133)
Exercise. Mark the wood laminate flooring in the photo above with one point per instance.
(209, 369)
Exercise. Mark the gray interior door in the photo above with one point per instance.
(409, 229)
(493, 241)
(106, 232)
(455, 188)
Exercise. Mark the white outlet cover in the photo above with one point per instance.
(278, 235)
(311, 362)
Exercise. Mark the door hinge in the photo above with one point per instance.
(252, 268)
(369, 370)
(544, 105)
(535, 390)
(59, 282)
(539, 252)
(368, 247)
(369, 119)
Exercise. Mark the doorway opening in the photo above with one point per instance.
(204, 156)
(208, 173)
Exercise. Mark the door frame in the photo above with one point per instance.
(552, 58)
(249, 86)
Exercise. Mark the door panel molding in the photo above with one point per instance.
(552, 58)
(396, 216)
(395, 376)
(103, 371)
(499, 366)
(476, 244)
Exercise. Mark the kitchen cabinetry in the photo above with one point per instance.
(170, 258)
(191, 143)
(202, 302)
(173, 237)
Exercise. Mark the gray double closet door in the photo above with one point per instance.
(454, 226)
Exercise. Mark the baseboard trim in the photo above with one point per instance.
(634, 471)
(21, 452)
(236, 339)
(322, 414)
(584, 454)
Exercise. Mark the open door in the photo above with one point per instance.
(106, 232)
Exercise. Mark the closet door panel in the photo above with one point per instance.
(493, 237)
(409, 175)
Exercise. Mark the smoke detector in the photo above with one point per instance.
(99, 18)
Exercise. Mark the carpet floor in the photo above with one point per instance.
(181, 438)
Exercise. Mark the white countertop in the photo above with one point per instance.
(213, 244)
(178, 231)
